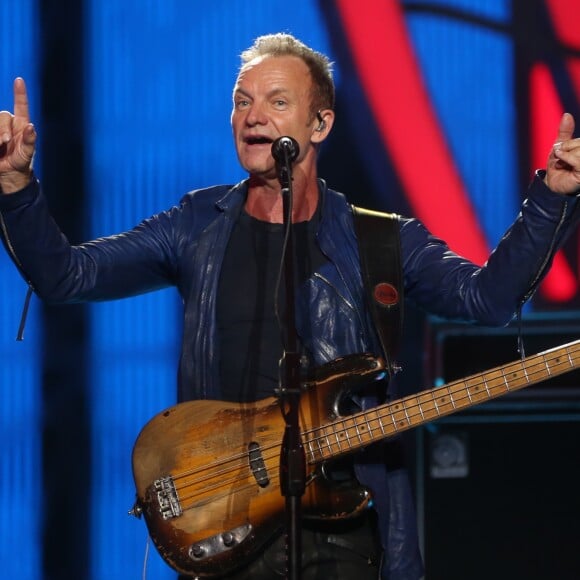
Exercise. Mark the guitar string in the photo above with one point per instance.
(495, 383)
(474, 386)
(498, 384)
(447, 395)
(241, 456)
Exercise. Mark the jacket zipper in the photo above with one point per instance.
(526, 297)
(547, 258)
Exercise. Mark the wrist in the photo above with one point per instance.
(14, 181)
(543, 175)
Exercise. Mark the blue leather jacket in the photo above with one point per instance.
(185, 245)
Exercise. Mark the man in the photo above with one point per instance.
(221, 247)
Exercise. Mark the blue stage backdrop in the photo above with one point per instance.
(20, 362)
(434, 119)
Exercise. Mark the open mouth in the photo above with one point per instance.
(258, 140)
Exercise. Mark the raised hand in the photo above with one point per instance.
(563, 167)
(17, 142)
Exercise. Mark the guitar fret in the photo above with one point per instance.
(525, 369)
(468, 392)
(379, 419)
(320, 450)
(348, 438)
(393, 419)
(358, 432)
(486, 386)
(310, 450)
(351, 432)
(547, 366)
(327, 440)
(435, 403)
(338, 438)
(421, 410)
(507, 385)
(406, 414)
(369, 427)
(451, 397)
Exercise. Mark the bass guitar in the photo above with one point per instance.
(207, 472)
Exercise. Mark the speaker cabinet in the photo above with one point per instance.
(498, 486)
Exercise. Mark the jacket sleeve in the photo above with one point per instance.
(127, 264)
(445, 284)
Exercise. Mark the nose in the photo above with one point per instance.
(256, 115)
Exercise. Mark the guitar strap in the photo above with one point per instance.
(380, 257)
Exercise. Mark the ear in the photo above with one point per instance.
(322, 125)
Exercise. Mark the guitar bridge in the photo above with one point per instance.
(169, 505)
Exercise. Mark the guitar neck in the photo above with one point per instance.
(361, 429)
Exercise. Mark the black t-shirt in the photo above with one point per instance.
(250, 336)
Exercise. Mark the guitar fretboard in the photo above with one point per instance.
(358, 430)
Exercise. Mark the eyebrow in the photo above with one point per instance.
(272, 93)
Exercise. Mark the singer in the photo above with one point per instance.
(221, 248)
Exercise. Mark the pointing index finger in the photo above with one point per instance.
(21, 100)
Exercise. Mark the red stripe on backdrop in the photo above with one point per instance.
(392, 81)
(546, 111)
(564, 16)
(560, 284)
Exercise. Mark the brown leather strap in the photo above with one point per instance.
(380, 256)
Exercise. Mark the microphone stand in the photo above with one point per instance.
(292, 460)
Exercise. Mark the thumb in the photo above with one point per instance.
(566, 128)
(29, 135)
(25, 151)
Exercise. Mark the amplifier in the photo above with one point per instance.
(497, 484)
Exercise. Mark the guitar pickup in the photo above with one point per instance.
(257, 464)
(169, 505)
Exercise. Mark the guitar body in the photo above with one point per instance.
(207, 473)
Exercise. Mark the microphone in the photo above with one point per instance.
(285, 149)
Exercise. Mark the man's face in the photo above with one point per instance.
(271, 99)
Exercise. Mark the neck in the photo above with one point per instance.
(265, 202)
